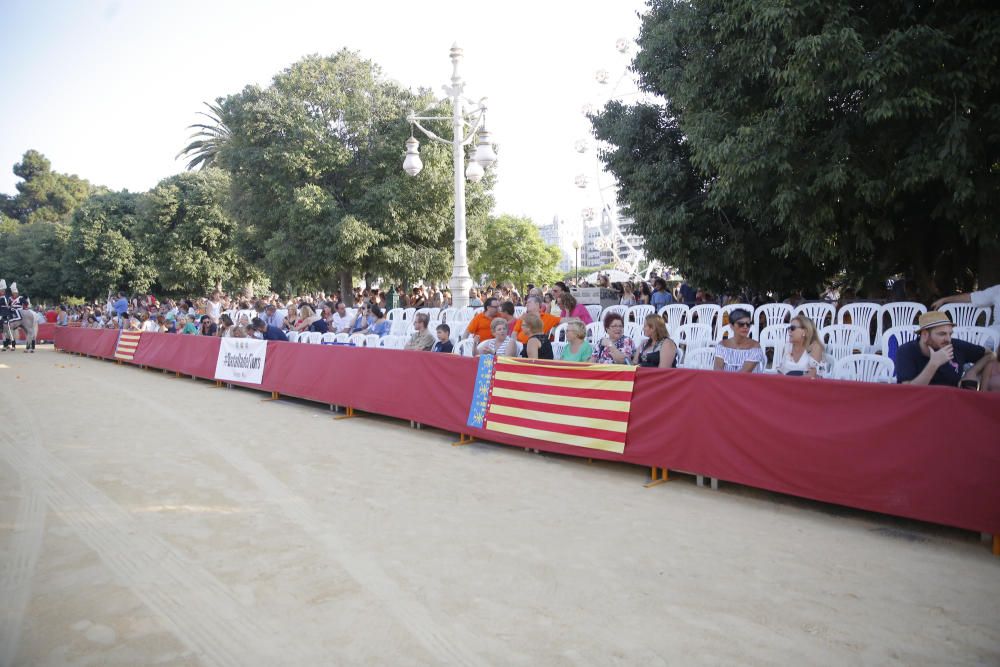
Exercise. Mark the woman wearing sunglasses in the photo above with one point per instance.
(739, 354)
(805, 352)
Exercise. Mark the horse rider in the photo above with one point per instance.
(7, 315)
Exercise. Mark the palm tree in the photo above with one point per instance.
(207, 140)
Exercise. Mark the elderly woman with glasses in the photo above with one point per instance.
(615, 347)
(739, 354)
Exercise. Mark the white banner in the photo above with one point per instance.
(241, 360)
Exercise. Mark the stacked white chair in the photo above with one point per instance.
(772, 314)
(903, 313)
(674, 314)
(866, 315)
(693, 336)
(967, 315)
(841, 340)
(774, 338)
(595, 311)
(707, 314)
(865, 368)
(982, 336)
(638, 313)
(701, 358)
(465, 348)
(901, 335)
(357, 340)
(820, 312)
(293, 336)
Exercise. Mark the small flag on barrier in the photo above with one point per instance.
(128, 343)
(580, 404)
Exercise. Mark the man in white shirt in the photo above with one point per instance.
(340, 322)
(985, 298)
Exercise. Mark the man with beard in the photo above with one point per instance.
(936, 358)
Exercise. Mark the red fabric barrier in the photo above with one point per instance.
(928, 453)
(46, 332)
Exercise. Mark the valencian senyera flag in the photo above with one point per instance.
(128, 343)
(580, 404)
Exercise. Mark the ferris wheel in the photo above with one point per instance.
(614, 81)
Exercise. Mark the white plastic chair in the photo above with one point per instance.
(357, 340)
(595, 311)
(343, 337)
(292, 336)
(408, 313)
(519, 310)
(982, 336)
(311, 337)
(726, 331)
(701, 358)
(820, 312)
(465, 348)
(371, 340)
(841, 340)
(448, 314)
(726, 310)
(557, 349)
(638, 313)
(434, 314)
(595, 332)
(467, 313)
(966, 315)
(901, 335)
(864, 315)
(558, 333)
(674, 314)
(708, 314)
(328, 337)
(621, 310)
(693, 336)
(395, 314)
(771, 314)
(903, 313)
(775, 339)
(399, 327)
(634, 331)
(865, 368)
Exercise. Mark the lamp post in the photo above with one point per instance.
(576, 247)
(466, 127)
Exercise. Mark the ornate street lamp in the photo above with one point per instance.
(467, 126)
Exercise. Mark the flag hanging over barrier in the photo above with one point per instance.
(128, 343)
(585, 405)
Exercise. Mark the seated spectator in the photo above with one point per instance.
(133, 323)
(186, 326)
(149, 323)
(570, 308)
(482, 324)
(362, 320)
(62, 319)
(381, 326)
(507, 312)
(474, 301)
(443, 343)
(225, 326)
(291, 318)
(274, 317)
(615, 347)
(421, 338)
(739, 354)
(538, 345)
(805, 351)
(658, 351)
(577, 347)
(937, 358)
(533, 307)
(308, 318)
(340, 322)
(661, 296)
(207, 327)
(500, 344)
(267, 331)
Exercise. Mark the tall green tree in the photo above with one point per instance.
(513, 250)
(104, 251)
(190, 234)
(850, 137)
(44, 195)
(207, 140)
(317, 180)
(31, 254)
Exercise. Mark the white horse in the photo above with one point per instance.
(28, 323)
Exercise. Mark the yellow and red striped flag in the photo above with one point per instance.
(128, 343)
(581, 404)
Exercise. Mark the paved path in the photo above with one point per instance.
(150, 520)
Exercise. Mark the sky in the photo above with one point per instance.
(106, 89)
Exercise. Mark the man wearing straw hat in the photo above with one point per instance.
(936, 358)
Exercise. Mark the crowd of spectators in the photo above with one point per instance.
(496, 329)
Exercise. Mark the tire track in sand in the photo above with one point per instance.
(18, 570)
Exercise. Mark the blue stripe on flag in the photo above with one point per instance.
(481, 392)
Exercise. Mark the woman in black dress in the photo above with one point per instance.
(538, 345)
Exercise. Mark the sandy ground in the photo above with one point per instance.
(146, 520)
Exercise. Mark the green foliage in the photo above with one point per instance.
(812, 138)
(31, 255)
(190, 236)
(44, 195)
(207, 139)
(104, 251)
(318, 185)
(514, 250)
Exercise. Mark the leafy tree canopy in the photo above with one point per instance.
(798, 141)
(513, 250)
(44, 195)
